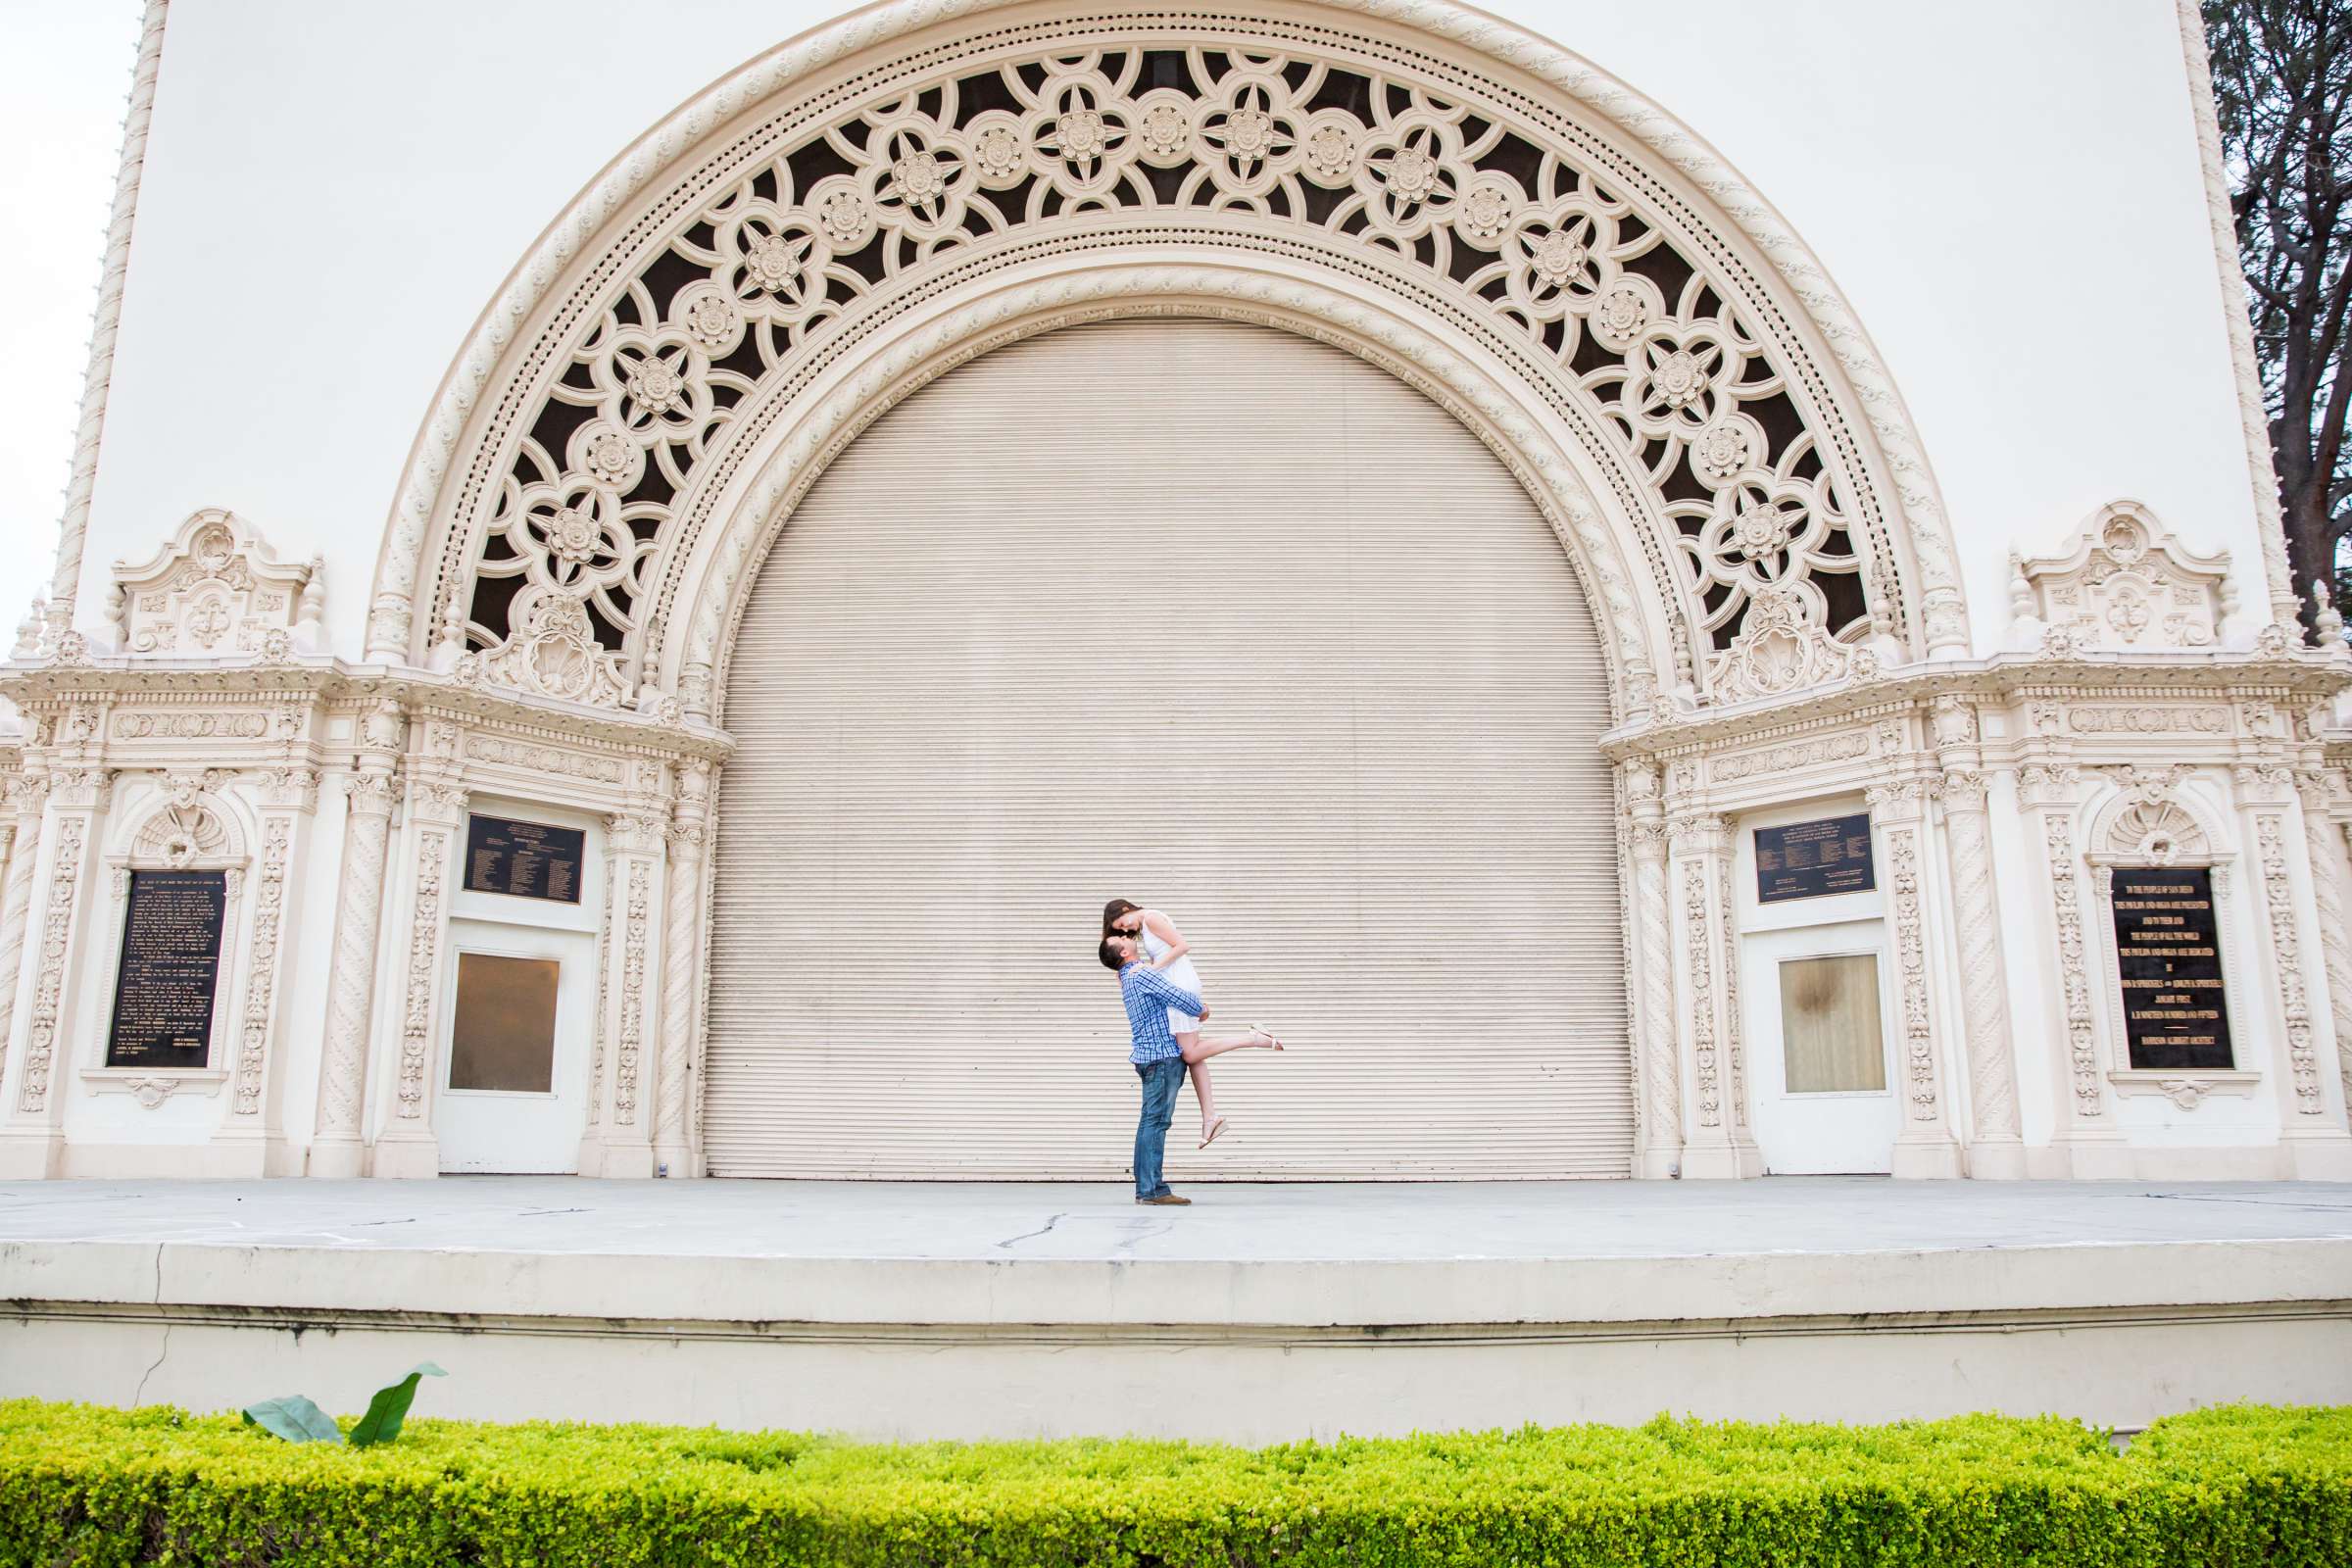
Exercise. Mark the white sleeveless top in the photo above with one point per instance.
(1179, 973)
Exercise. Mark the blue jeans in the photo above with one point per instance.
(1161, 1080)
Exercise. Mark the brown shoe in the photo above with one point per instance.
(1170, 1202)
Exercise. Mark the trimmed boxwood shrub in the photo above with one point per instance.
(2244, 1484)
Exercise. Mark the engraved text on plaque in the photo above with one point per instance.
(2168, 947)
(1810, 859)
(171, 970)
(523, 859)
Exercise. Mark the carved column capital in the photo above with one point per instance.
(2321, 789)
(2262, 785)
(1900, 800)
(371, 791)
(22, 795)
(439, 800)
(80, 789)
(639, 830)
(2049, 784)
(1697, 833)
(295, 788)
(1964, 790)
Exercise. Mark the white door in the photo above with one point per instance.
(1820, 1019)
(513, 1090)
(1214, 619)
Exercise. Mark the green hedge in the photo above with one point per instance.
(2244, 1484)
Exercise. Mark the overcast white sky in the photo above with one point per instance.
(62, 94)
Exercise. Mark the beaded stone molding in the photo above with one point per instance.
(1556, 224)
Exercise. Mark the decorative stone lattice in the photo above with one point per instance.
(214, 590)
(2126, 585)
(1517, 225)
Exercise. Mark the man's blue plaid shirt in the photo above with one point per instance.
(1148, 995)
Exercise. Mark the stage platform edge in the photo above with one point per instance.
(1551, 1308)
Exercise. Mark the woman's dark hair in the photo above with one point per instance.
(1114, 910)
(1110, 953)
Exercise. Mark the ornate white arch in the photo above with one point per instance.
(1543, 251)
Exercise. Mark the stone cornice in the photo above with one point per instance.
(36, 684)
(2305, 678)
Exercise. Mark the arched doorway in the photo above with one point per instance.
(1208, 615)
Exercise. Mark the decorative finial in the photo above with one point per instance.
(2021, 592)
(311, 611)
(28, 630)
(2327, 620)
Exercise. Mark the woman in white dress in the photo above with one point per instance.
(1166, 951)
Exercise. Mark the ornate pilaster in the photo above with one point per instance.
(1716, 1144)
(338, 1147)
(1996, 1147)
(2322, 847)
(2287, 955)
(1660, 1086)
(2328, 883)
(634, 844)
(2049, 792)
(255, 1124)
(681, 951)
(32, 1144)
(592, 1148)
(1924, 1146)
(1734, 1043)
(2316, 1142)
(433, 846)
(21, 848)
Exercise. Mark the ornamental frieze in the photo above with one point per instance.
(2148, 721)
(1839, 747)
(539, 758)
(178, 726)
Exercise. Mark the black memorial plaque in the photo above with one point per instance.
(1811, 860)
(523, 859)
(2168, 947)
(171, 970)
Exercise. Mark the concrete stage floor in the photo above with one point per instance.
(1260, 1312)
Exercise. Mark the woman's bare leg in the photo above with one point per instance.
(1187, 1045)
(1199, 1047)
(1204, 1093)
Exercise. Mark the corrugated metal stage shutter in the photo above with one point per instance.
(1220, 620)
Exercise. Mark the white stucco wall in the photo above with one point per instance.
(2009, 193)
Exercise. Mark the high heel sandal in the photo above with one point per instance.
(1211, 1133)
(1273, 1041)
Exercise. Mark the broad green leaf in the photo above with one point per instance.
(390, 1407)
(295, 1418)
